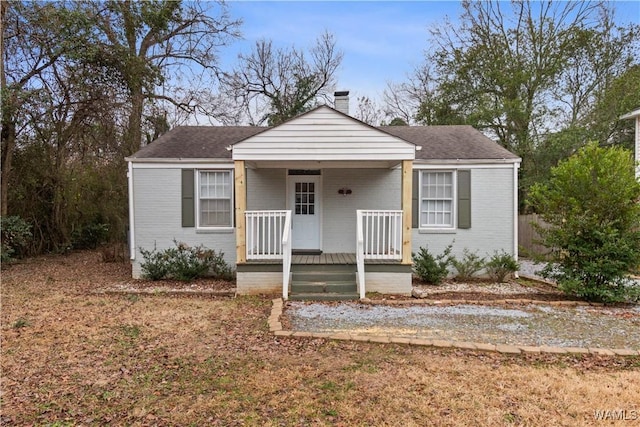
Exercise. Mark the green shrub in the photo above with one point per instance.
(184, 263)
(20, 323)
(187, 263)
(155, 265)
(500, 265)
(15, 236)
(432, 269)
(470, 264)
(219, 267)
(591, 205)
(90, 236)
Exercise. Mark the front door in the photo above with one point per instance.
(305, 204)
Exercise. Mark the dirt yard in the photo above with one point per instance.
(72, 357)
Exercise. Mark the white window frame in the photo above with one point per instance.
(454, 200)
(232, 203)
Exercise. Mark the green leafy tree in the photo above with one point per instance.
(397, 121)
(621, 96)
(142, 41)
(523, 70)
(34, 37)
(592, 204)
(82, 84)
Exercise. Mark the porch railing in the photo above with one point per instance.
(264, 234)
(268, 237)
(379, 237)
(382, 234)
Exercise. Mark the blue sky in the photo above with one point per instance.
(381, 40)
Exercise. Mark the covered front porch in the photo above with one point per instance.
(377, 265)
(323, 189)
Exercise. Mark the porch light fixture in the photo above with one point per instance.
(344, 191)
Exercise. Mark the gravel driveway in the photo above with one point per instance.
(534, 325)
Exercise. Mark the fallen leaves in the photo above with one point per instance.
(93, 359)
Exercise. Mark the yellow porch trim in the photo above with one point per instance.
(407, 182)
(241, 206)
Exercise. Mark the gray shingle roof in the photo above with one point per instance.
(437, 142)
(197, 142)
(450, 142)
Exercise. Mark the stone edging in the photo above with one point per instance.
(521, 301)
(275, 326)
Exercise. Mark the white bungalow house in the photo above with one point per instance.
(323, 203)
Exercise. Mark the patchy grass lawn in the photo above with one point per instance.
(71, 357)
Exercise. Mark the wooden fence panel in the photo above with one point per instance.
(528, 237)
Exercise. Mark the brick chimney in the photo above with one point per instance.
(341, 101)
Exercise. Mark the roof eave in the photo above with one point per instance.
(177, 160)
(632, 115)
(467, 161)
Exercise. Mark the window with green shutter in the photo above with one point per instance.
(441, 199)
(215, 194)
(207, 198)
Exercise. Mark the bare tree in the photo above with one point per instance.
(497, 67)
(272, 85)
(368, 111)
(405, 100)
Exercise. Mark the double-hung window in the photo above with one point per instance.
(437, 199)
(215, 199)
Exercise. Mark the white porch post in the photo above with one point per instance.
(637, 151)
(407, 182)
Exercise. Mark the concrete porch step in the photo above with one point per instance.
(325, 277)
(323, 268)
(323, 287)
(324, 296)
(323, 282)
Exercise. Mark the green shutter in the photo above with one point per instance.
(464, 199)
(415, 201)
(188, 202)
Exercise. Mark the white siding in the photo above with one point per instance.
(637, 151)
(321, 135)
(157, 203)
(371, 189)
(492, 217)
(266, 189)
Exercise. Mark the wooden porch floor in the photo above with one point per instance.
(324, 259)
(339, 258)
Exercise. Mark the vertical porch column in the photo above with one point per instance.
(407, 182)
(241, 206)
(637, 150)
